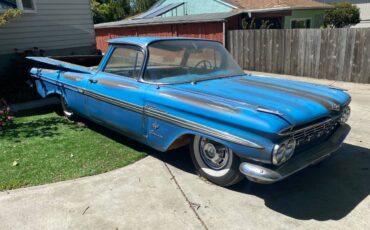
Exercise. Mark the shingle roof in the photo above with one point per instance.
(216, 17)
(243, 6)
(270, 4)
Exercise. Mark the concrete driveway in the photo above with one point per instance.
(163, 192)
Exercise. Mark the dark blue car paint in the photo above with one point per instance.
(223, 109)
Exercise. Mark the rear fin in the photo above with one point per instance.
(61, 65)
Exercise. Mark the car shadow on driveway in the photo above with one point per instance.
(329, 191)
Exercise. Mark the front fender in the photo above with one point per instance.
(162, 135)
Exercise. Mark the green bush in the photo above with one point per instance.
(344, 14)
(8, 15)
(109, 10)
(114, 10)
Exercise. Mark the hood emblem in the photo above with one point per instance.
(335, 107)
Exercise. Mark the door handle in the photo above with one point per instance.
(93, 81)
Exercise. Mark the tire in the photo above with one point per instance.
(225, 173)
(65, 110)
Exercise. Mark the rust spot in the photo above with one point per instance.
(292, 91)
(202, 102)
(72, 77)
(117, 84)
(48, 71)
(180, 142)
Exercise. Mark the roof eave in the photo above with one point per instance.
(171, 20)
(263, 10)
(159, 23)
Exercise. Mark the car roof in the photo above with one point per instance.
(145, 41)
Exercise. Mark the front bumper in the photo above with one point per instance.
(309, 157)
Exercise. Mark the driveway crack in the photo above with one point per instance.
(191, 204)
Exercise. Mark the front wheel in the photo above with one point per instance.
(215, 162)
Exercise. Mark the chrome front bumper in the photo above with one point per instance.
(309, 157)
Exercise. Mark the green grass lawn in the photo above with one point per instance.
(38, 149)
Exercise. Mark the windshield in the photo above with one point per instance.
(178, 61)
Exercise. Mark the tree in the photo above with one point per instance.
(142, 5)
(114, 10)
(344, 14)
(8, 15)
(110, 10)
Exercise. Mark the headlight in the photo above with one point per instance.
(345, 115)
(283, 152)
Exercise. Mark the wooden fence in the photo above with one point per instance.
(335, 54)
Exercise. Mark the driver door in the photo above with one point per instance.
(116, 97)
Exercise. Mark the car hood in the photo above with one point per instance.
(295, 102)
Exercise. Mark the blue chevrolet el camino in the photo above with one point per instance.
(171, 92)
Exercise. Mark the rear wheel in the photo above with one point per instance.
(66, 111)
(215, 162)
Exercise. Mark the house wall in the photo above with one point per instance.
(192, 7)
(208, 30)
(55, 25)
(316, 16)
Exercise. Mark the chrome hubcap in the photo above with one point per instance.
(214, 155)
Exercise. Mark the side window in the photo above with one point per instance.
(125, 61)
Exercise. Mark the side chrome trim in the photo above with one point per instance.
(119, 103)
(199, 128)
(150, 111)
(275, 112)
(337, 88)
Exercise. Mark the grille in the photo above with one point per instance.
(315, 132)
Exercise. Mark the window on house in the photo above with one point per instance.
(26, 5)
(301, 23)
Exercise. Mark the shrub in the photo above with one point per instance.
(5, 117)
(8, 15)
(344, 14)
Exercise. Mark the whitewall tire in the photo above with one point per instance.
(215, 162)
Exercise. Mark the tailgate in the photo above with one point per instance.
(61, 65)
